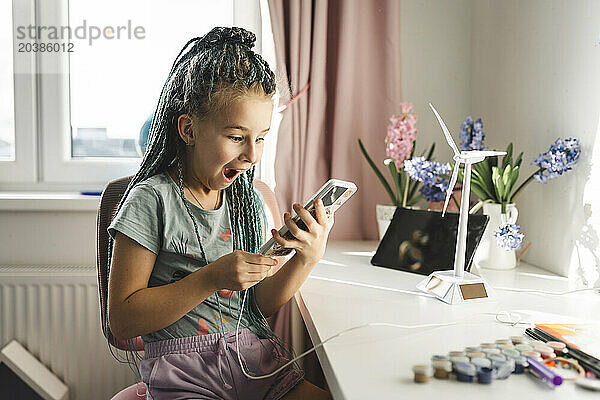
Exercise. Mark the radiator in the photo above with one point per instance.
(54, 313)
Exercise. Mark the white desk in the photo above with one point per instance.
(376, 362)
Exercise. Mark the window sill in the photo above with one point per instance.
(47, 201)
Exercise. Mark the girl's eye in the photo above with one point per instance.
(236, 139)
(260, 139)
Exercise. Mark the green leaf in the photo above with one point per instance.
(479, 192)
(397, 179)
(514, 175)
(492, 161)
(412, 188)
(430, 152)
(507, 159)
(506, 175)
(518, 161)
(490, 193)
(378, 173)
(485, 171)
(476, 179)
(414, 200)
(498, 184)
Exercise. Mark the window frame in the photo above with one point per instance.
(23, 169)
(42, 110)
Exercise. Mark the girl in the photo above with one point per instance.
(189, 225)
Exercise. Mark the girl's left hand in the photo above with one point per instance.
(309, 245)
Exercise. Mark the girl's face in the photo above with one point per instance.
(228, 143)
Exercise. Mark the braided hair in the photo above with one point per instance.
(209, 72)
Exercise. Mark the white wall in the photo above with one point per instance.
(528, 68)
(48, 238)
(435, 58)
(535, 76)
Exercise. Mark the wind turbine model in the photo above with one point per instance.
(458, 286)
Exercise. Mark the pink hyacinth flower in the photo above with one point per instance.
(401, 135)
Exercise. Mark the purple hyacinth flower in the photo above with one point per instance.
(508, 237)
(562, 155)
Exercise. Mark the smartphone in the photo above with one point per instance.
(333, 193)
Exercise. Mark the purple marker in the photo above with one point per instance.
(544, 373)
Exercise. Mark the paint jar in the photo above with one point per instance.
(534, 343)
(476, 354)
(558, 347)
(503, 368)
(506, 346)
(457, 354)
(503, 341)
(523, 347)
(511, 353)
(472, 349)
(488, 351)
(461, 359)
(480, 362)
(441, 369)
(545, 351)
(465, 372)
(532, 354)
(439, 357)
(517, 340)
(520, 364)
(485, 375)
(496, 357)
(421, 372)
(488, 345)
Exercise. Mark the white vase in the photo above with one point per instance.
(489, 254)
(385, 213)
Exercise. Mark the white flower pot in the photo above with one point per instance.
(489, 254)
(384, 213)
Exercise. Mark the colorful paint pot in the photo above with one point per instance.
(480, 362)
(518, 340)
(520, 364)
(485, 375)
(421, 372)
(442, 369)
(465, 372)
(523, 347)
(511, 353)
(558, 347)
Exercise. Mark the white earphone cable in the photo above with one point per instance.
(509, 320)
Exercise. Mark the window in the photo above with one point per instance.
(18, 116)
(115, 84)
(80, 111)
(7, 120)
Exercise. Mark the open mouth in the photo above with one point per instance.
(230, 173)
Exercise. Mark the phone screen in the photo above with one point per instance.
(333, 198)
(333, 195)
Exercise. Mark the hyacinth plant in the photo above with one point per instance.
(494, 181)
(400, 145)
(433, 175)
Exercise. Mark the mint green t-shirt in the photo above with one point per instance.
(155, 216)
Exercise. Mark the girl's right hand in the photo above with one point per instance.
(240, 270)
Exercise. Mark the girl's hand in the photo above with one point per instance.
(309, 245)
(240, 270)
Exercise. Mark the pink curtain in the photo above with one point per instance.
(348, 50)
(347, 53)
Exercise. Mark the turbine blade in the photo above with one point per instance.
(482, 153)
(451, 187)
(446, 131)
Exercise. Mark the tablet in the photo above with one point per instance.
(422, 241)
(333, 193)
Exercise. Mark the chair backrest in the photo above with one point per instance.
(111, 197)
